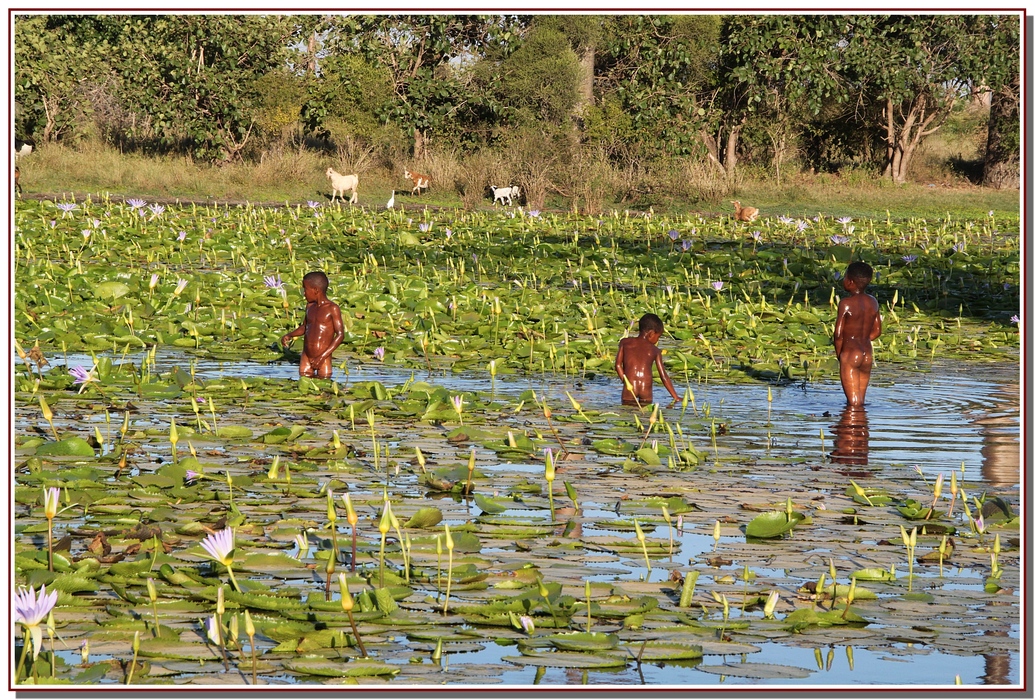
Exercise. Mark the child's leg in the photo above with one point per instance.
(305, 368)
(850, 360)
(324, 370)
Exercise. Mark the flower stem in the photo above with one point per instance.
(21, 660)
(233, 580)
(355, 632)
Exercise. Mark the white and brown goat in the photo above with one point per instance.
(420, 182)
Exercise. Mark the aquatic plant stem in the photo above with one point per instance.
(26, 642)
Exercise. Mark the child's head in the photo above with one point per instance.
(651, 323)
(315, 281)
(860, 273)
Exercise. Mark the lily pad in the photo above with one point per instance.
(772, 524)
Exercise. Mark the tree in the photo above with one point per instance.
(425, 55)
(1002, 151)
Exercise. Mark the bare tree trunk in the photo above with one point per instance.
(311, 68)
(587, 63)
(914, 129)
(889, 116)
(419, 145)
(713, 150)
(1002, 151)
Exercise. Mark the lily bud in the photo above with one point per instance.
(249, 626)
(449, 539)
(770, 604)
(48, 415)
(347, 603)
(332, 513)
(385, 523)
(350, 513)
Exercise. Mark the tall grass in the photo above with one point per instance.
(549, 174)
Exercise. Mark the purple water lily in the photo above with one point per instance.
(687, 245)
(424, 227)
(533, 213)
(908, 259)
(845, 220)
(1015, 319)
(273, 282)
(154, 281)
(379, 353)
(190, 477)
(156, 210)
(31, 609)
(182, 236)
(81, 374)
(312, 204)
(67, 207)
(785, 220)
(673, 234)
(449, 233)
(717, 286)
(840, 240)
(136, 203)
(756, 235)
(802, 225)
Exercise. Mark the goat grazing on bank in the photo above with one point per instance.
(22, 148)
(420, 182)
(744, 213)
(507, 193)
(341, 183)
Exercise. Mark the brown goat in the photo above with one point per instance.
(744, 213)
(420, 182)
(17, 180)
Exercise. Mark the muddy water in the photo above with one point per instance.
(804, 447)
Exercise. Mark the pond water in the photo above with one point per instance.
(938, 420)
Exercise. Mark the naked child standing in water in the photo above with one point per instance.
(322, 328)
(637, 357)
(858, 323)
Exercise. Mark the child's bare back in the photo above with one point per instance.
(322, 329)
(635, 362)
(858, 324)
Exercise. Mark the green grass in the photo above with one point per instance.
(296, 176)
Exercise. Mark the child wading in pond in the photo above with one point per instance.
(636, 360)
(858, 323)
(322, 328)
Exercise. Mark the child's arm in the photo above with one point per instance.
(285, 340)
(620, 362)
(665, 379)
(875, 331)
(839, 326)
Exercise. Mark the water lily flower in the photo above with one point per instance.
(449, 234)
(673, 234)
(1015, 319)
(845, 220)
(180, 286)
(533, 213)
(686, 245)
(840, 240)
(717, 286)
(424, 227)
(182, 236)
(67, 207)
(458, 405)
(785, 220)
(312, 204)
(957, 247)
(379, 353)
(756, 235)
(273, 282)
(770, 604)
(156, 210)
(991, 214)
(190, 477)
(30, 610)
(802, 225)
(86, 233)
(908, 259)
(303, 545)
(527, 624)
(220, 547)
(136, 203)
(81, 374)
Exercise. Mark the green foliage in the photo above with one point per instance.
(540, 79)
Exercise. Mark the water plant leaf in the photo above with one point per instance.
(756, 670)
(612, 446)
(233, 431)
(568, 659)
(282, 434)
(582, 641)
(666, 651)
(111, 290)
(426, 517)
(66, 447)
(772, 524)
(872, 575)
(487, 504)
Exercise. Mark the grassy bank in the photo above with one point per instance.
(297, 176)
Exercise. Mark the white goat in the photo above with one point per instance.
(507, 193)
(340, 183)
(420, 182)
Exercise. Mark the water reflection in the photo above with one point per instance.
(1000, 450)
(851, 437)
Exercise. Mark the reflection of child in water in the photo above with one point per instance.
(322, 328)
(852, 437)
(858, 323)
(636, 360)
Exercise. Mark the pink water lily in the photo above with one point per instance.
(220, 547)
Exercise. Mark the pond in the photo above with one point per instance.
(854, 480)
